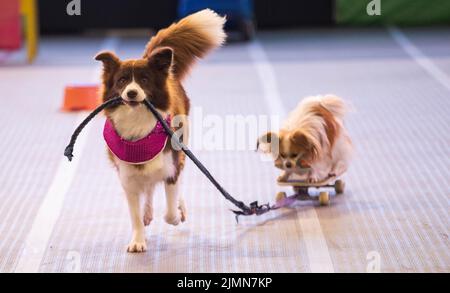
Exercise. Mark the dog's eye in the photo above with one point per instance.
(122, 80)
(293, 155)
(283, 155)
(144, 80)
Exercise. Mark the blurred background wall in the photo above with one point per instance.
(157, 14)
(27, 19)
(268, 14)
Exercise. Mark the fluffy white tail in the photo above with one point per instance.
(335, 105)
(190, 38)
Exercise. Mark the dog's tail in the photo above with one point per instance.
(190, 38)
(335, 105)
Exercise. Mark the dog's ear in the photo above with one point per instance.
(306, 142)
(161, 59)
(268, 143)
(111, 64)
(110, 61)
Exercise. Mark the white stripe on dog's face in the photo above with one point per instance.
(133, 92)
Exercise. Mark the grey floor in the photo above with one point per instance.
(394, 213)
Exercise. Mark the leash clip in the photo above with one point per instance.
(254, 209)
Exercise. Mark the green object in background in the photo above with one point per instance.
(398, 12)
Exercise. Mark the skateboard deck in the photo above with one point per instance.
(301, 183)
(301, 191)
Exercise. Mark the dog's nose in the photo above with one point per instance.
(132, 94)
(288, 165)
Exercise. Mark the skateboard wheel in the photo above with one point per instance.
(324, 198)
(339, 186)
(280, 196)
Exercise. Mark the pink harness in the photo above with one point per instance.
(136, 152)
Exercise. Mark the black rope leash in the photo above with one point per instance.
(253, 209)
(68, 152)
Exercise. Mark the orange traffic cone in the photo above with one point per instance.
(81, 97)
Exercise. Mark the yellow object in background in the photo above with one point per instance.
(29, 11)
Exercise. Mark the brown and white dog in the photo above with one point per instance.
(313, 143)
(157, 76)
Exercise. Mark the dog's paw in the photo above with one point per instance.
(283, 177)
(137, 246)
(312, 178)
(148, 217)
(173, 219)
(183, 212)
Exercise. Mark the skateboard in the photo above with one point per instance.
(301, 191)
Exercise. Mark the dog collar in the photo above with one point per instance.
(136, 152)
